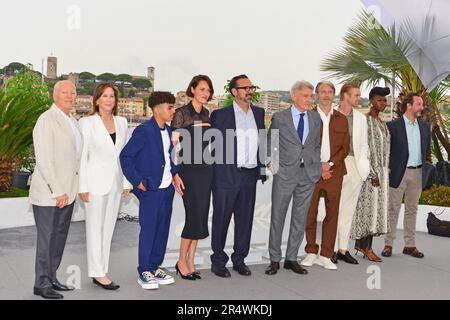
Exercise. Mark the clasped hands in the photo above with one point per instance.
(326, 171)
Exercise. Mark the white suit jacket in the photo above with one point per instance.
(100, 165)
(57, 160)
(360, 144)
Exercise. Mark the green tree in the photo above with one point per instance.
(142, 84)
(87, 76)
(107, 77)
(371, 54)
(13, 68)
(21, 103)
(87, 88)
(124, 78)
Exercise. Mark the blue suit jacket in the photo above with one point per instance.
(399, 148)
(142, 158)
(225, 175)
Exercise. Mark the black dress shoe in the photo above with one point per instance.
(294, 266)
(47, 293)
(272, 268)
(189, 276)
(109, 286)
(346, 257)
(220, 271)
(334, 258)
(58, 286)
(196, 275)
(242, 269)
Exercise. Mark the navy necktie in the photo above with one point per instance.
(300, 127)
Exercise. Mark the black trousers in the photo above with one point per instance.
(239, 201)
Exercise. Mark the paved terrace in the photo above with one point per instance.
(400, 277)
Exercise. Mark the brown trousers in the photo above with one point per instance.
(332, 189)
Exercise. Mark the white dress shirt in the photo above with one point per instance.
(167, 175)
(246, 136)
(325, 148)
(72, 126)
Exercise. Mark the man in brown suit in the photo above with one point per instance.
(335, 146)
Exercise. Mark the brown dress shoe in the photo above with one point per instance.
(372, 256)
(412, 251)
(387, 251)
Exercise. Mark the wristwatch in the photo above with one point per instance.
(331, 163)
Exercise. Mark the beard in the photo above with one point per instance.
(247, 98)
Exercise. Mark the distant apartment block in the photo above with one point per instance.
(270, 101)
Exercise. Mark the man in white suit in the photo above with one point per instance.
(358, 168)
(54, 186)
(101, 179)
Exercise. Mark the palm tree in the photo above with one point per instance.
(371, 54)
(20, 106)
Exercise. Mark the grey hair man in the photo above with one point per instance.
(299, 168)
(54, 186)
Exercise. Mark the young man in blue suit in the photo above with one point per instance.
(235, 176)
(147, 164)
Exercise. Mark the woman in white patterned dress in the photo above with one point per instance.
(371, 214)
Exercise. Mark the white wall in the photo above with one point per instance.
(17, 212)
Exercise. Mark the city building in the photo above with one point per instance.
(52, 64)
(131, 107)
(269, 100)
(83, 105)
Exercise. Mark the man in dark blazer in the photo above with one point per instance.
(236, 172)
(410, 146)
(147, 164)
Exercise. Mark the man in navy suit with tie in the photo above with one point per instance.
(235, 176)
(147, 164)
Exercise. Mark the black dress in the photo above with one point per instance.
(197, 175)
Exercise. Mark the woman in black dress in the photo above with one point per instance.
(190, 123)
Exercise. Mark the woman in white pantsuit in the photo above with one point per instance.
(101, 179)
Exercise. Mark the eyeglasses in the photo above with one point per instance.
(247, 88)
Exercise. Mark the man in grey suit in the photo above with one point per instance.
(295, 162)
(54, 186)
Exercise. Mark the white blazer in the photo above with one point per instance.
(100, 165)
(360, 144)
(57, 159)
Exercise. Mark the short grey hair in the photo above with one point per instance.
(59, 83)
(328, 83)
(299, 85)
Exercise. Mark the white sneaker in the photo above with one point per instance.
(148, 281)
(309, 260)
(162, 277)
(326, 263)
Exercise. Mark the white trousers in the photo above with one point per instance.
(351, 186)
(101, 217)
